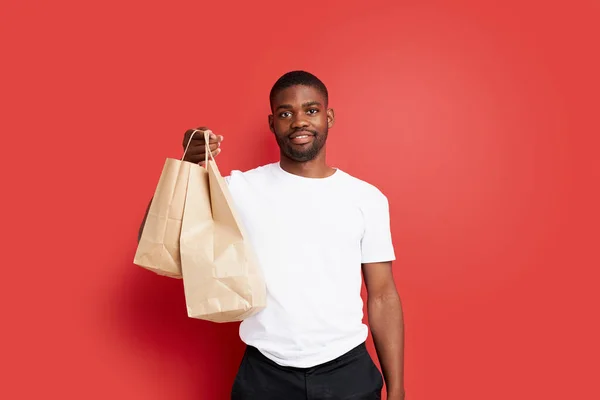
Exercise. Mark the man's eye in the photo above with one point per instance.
(313, 111)
(285, 114)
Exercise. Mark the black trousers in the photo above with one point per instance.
(354, 376)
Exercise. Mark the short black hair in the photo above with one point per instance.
(294, 78)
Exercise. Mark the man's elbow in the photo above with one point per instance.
(384, 304)
(385, 294)
(384, 310)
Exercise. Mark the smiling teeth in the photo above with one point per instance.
(301, 137)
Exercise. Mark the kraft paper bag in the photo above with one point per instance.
(221, 275)
(158, 248)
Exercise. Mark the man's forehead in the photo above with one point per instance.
(299, 93)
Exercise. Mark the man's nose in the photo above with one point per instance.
(299, 121)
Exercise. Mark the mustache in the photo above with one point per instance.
(314, 133)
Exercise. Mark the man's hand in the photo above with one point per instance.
(196, 152)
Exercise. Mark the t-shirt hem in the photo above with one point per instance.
(310, 362)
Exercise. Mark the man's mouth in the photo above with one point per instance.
(301, 137)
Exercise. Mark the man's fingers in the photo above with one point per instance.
(213, 138)
(215, 153)
(199, 157)
(186, 137)
(199, 138)
(198, 134)
(200, 147)
(193, 140)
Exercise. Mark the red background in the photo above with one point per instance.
(479, 122)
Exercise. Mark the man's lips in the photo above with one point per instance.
(301, 134)
(301, 137)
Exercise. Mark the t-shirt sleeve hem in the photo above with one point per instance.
(372, 260)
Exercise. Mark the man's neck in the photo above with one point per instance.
(316, 168)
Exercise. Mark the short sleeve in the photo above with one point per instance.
(376, 243)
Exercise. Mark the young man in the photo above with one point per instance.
(314, 228)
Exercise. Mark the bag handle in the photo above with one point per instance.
(206, 145)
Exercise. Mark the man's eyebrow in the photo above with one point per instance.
(304, 105)
(311, 103)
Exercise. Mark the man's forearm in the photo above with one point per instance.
(387, 326)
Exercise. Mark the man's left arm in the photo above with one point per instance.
(387, 325)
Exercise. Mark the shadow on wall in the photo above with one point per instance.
(199, 356)
(192, 359)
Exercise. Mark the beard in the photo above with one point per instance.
(302, 153)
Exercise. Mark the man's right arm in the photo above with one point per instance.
(196, 153)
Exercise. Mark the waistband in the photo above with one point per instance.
(359, 350)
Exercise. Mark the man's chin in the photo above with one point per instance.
(300, 153)
(300, 157)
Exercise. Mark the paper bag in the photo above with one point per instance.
(221, 275)
(158, 248)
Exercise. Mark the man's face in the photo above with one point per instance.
(300, 122)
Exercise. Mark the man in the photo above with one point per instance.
(314, 228)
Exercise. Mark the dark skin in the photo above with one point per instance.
(300, 122)
(302, 110)
(386, 321)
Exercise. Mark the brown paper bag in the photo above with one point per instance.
(221, 275)
(158, 248)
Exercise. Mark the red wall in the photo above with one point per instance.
(480, 123)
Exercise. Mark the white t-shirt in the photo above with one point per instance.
(311, 236)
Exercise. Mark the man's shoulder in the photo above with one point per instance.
(255, 174)
(363, 188)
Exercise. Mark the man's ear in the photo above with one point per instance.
(271, 123)
(330, 117)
